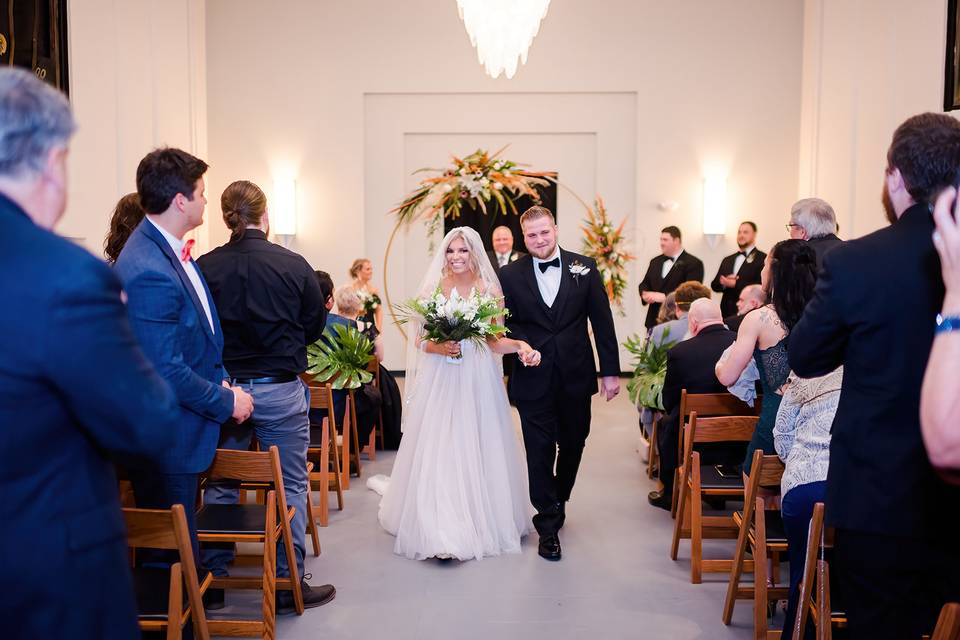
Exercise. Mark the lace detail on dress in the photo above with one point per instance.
(773, 365)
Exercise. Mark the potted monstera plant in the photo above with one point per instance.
(645, 388)
(341, 356)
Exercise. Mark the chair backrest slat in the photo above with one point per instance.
(722, 429)
(716, 404)
(246, 466)
(948, 624)
(151, 528)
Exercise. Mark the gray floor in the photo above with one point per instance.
(616, 579)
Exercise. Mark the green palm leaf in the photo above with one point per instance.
(341, 356)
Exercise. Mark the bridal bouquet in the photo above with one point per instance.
(475, 317)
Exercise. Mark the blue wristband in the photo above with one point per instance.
(947, 323)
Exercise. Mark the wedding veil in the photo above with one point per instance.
(481, 267)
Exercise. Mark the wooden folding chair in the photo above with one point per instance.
(948, 624)
(816, 575)
(264, 524)
(348, 449)
(761, 529)
(653, 449)
(370, 448)
(161, 603)
(698, 481)
(327, 474)
(706, 405)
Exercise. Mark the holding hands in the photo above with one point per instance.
(653, 297)
(529, 356)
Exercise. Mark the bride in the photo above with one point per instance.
(459, 482)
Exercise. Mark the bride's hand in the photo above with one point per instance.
(449, 348)
(529, 356)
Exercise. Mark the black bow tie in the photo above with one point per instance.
(546, 265)
(742, 253)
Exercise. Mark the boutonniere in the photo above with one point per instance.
(514, 256)
(753, 254)
(578, 269)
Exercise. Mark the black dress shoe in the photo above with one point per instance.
(312, 597)
(660, 499)
(213, 599)
(549, 547)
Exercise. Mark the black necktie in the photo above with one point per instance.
(546, 265)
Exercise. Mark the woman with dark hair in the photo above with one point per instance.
(788, 278)
(126, 216)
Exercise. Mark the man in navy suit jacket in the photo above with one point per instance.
(174, 318)
(75, 389)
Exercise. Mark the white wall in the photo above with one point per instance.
(304, 87)
(867, 66)
(137, 81)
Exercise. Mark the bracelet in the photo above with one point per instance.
(947, 323)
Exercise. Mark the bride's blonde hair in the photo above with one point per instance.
(474, 261)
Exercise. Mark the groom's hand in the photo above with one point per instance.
(610, 385)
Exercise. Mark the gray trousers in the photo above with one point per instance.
(279, 418)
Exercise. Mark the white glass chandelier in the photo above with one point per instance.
(502, 31)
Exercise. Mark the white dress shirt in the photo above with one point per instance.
(668, 264)
(190, 268)
(740, 259)
(549, 281)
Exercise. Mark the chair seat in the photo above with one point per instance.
(710, 478)
(152, 588)
(231, 519)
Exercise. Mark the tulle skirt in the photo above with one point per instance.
(459, 482)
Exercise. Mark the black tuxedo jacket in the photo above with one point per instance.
(687, 267)
(822, 244)
(749, 274)
(514, 256)
(690, 366)
(880, 479)
(560, 334)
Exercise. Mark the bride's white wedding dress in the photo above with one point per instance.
(459, 482)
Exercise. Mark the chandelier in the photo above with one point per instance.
(502, 31)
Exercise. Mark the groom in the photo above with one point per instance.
(551, 294)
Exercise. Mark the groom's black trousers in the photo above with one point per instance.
(555, 429)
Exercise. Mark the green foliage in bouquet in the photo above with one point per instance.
(649, 370)
(343, 355)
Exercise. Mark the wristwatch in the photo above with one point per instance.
(947, 323)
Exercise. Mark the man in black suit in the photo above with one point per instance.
(78, 393)
(739, 270)
(502, 253)
(551, 296)
(896, 521)
(751, 297)
(666, 272)
(690, 366)
(813, 220)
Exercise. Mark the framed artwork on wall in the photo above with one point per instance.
(33, 35)
(951, 84)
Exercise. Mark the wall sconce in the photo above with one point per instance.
(714, 206)
(283, 207)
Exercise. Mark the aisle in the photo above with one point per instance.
(615, 580)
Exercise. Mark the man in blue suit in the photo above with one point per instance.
(176, 322)
(75, 390)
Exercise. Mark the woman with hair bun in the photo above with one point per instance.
(361, 274)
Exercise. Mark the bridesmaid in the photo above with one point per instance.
(361, 273)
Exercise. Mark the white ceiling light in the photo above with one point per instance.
(502, 31)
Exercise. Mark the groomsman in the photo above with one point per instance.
(739, 269)
(667, 271)
(503, 253)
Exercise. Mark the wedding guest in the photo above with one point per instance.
(271, 308)
(326, 290)
(813, 220)
(361, 273)
(502, 253)
(789, 275)
(78, 393)
(883, 495)
(668, 310)
(690, 367)
(940, 399)
(126, 216)
(751, 297)
(740, 269)
(677, 330)
(801, 437)
(665, 272)
(349, 309)
(176, 322)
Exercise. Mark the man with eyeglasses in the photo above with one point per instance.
(813, 220)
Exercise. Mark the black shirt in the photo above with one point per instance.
(270, 306)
